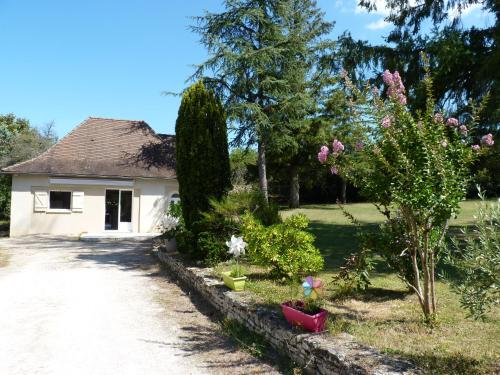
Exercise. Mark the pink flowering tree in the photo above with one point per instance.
(415, 171)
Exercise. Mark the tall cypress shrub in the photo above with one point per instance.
(202, 162)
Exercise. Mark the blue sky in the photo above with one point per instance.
(64, 60)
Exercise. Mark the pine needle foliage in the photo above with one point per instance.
(267, 61)
(202, 157)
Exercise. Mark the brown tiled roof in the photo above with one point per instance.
(106, 147)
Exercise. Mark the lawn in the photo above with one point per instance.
(387, 316)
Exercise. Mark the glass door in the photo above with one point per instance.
(125, 224)
(112, 208)
(118, 210)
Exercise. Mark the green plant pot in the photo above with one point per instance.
(235, 283)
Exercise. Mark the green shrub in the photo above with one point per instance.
(172, 221)
(237, 203)
(207, 239)
(477, 260)
(211, 247)
(175, 209)
(353, 275)
(213, 230)
(268, 214)
(223, 220)
(186, 241)
(287, 248)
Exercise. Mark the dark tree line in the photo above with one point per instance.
(19, 141)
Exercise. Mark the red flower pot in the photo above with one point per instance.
(313, 323)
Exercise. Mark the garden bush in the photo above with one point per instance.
(477, 260)
(206, 240)
(286, 247)
(223, 220)
(416, 171)
(213, 230)
(237, 203)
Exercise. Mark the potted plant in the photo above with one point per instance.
(172, 224)
(307, 313)
(235, 279)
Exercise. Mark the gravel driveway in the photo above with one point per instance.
(68, 307)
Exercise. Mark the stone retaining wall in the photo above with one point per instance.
(316, 353)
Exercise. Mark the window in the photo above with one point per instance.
(60, 200)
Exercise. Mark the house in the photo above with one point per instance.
(106, 175)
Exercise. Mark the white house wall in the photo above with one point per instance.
(154, 197)
(150, 199)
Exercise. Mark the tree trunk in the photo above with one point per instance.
(294, 188)
(429, 303)
(343, 191)
(261, 161)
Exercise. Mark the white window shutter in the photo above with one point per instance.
(41, 200)
(78, 200)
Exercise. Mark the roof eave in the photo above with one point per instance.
(83, 175)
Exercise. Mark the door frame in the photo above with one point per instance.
(131, 227)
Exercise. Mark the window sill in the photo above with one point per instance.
(59, 211)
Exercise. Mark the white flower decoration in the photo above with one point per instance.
(236, 246)
(170, 222)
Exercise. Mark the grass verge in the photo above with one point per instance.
(387, 316)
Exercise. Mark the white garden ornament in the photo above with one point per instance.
(170, 222)
(236, 246)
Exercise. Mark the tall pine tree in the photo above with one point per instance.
(202, 157)
(261, 57)
(307, 70)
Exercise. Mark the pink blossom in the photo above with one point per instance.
(359, 146)
(395, 76)
(487, 140)
(323, 154)
(438, 117)
(476, 147)
(337, 146)
(387, 77)
(444, 144)
(463, 129)
(452, 121)
(396, 89)
(386, 122)
(334, 170)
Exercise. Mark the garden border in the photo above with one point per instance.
(316, 353)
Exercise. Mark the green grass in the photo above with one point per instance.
(387, 316)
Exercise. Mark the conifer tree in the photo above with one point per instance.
(202, 157)
(262, 60)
